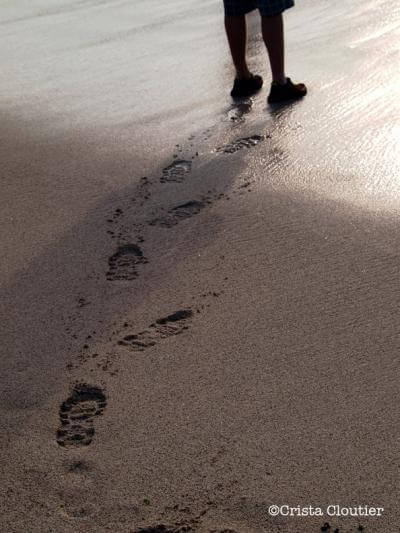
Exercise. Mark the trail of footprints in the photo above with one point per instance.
(79, 411)
(125, 262)
(86, 402)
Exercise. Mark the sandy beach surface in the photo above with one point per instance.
(199, 298)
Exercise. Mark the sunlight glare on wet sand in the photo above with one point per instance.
(343, 142)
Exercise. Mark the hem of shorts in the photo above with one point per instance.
(235, 13)
(239, 13)
(278, 12)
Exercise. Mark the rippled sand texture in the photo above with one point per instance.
(199, 298)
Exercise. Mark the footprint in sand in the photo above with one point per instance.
(176, 171)
(161, 528)
(77, 414)
(162, 328)
(237, 111)
(123, 264)
(239, 144)
(180, 212)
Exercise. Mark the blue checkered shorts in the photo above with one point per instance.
(267, 8)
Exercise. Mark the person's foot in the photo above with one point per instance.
(246, 87)
(285, 92)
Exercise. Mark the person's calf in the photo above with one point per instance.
(282, 88)
(273, 35)
(236, 32)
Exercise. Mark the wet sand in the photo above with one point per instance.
(199, 300)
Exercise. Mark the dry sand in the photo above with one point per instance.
(199, 301)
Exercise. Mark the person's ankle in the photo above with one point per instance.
(243, 75)
(282, 80)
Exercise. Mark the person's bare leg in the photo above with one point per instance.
(272, 32)
(236, 32)
(282, 88)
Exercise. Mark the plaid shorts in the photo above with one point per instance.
(267, 8)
